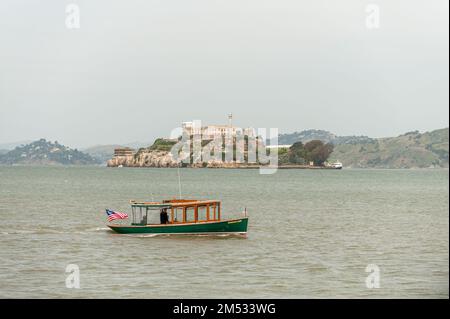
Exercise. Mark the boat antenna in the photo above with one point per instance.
(179, 180)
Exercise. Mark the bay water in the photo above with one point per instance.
(312, 234)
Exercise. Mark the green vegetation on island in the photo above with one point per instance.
(162, 144)
(315, 151)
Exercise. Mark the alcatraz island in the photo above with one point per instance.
(223, 146)
(310, 149)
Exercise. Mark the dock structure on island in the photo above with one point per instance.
(124, 151)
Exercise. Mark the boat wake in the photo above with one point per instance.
(100, 229)
(210, 235)
(143, 235)
(51, 231)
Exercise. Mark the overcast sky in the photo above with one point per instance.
(136, 69)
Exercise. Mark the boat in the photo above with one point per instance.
(181, 216)
(336, 165)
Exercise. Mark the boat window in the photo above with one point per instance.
(141, 215)
(133, 215)
(138, 215)
(202, 213)
(190, 214)
(213, 212)
(153, 216)
(178, 215)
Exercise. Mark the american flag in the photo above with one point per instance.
(112, 215)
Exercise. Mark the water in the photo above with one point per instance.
(312, 234)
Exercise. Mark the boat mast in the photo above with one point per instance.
(179, 180)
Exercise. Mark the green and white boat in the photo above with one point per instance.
(182, 217)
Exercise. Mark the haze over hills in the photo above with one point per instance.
(104, 152)
(13, 145)
(322, 135)
(410, 150)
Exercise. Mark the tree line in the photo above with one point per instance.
(314, 151)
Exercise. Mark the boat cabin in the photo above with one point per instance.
(176, 211)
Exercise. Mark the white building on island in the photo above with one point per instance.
(210, 131)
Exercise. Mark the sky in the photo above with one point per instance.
(134, 70)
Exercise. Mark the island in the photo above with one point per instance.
(43, 152)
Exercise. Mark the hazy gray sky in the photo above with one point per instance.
(135, 69)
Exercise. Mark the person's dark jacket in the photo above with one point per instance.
(164, 217)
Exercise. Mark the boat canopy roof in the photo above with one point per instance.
(174, 203)
(154, 205)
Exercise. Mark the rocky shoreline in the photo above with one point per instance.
(163, 159)
(144, 159)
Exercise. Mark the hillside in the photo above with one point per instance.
(43, 152)
(410, 150)
(324, 136)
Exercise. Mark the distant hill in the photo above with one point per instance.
(102, 153)
(43, 152)
(324, 136)
(410, 150)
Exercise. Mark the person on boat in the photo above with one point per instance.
(163, 216)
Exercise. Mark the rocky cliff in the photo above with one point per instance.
(152, 158)
(145, 158)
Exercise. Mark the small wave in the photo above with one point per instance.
(46, 231)
(145, 235)
(19, 232)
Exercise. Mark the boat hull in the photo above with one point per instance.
(225, 226)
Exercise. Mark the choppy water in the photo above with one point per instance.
(312, 233)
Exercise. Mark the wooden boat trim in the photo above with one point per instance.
(175, 203)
